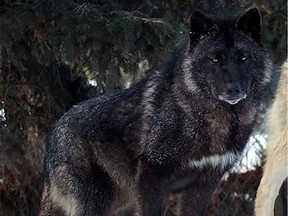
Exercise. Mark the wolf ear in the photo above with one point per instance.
(200, 25)
(250, 23)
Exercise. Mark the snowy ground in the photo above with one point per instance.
(251, 156)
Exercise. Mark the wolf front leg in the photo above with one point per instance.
(151, 184)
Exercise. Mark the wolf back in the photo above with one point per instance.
(177, 131)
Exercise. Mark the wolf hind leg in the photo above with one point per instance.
(47, 206)
(78, 192)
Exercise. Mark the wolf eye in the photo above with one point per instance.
(215, 60)
(243, 58)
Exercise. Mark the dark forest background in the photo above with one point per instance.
(56, 53)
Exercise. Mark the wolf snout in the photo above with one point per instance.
(233, 93)
(233, 90)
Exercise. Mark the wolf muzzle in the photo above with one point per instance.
(233, 93)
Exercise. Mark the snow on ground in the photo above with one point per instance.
(251, 156)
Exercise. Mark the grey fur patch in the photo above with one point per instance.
(188, 80)
(68, 203)
(268, 73)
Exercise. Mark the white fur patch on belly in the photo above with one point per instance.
(220, 161)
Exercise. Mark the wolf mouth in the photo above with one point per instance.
(232, 101)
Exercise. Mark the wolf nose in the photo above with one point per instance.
(233, 89)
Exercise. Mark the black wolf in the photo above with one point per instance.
(175, 132)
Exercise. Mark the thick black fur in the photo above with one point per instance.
(175, 132)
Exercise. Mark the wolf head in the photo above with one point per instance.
(226, 59)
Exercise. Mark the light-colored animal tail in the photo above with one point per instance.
(275, 170)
